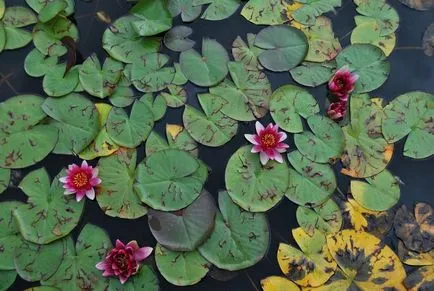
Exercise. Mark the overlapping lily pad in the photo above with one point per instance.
(59, 82)
(240, 239)
(76, 118)
(310, 184)
(24, 141)
(7, 278)
(254, 187)
(189, 12)
(49, 214)
(284, 47)
(411, 114)
(100, 81)
(369, 62)
(311, 9)
(246, 53)
(122, 96)
(207, 69)
(212, 127)
(218, 9)
(116, 196)
(130, 131)
(157, 105)
(177, 138)
(326, 217)
(380, 13)
(12, 36)
(169, 180)
(186, 229)
(181, 268)
(313, 74)
(325, 143)
(124, 44)
(273, 283)
(153, 17)
(288, 104)
(77, 270)
(176, 97)
(46, 9)
(37, 64)
(312, 265)
(10, 236)
(369, 33)
(248, 96)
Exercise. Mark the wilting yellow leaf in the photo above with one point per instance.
(291, 8)
(103, 112)
(413, 258)
(173, 130)
(277, 283)
(370, 264)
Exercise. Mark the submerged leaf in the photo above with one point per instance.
(420, 279)
(419, 4)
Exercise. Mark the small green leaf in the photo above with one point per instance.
(176, 97)
(212, 127)
(51, 10)
(116, 196)
(284, 47)
(181, 268)
(37, 64)
(207, 69)
(154, 17)
(39, 5)
(288, 104)
(52, 203)
(169, 180)
(16, 38)
(7, 278)
(313, 74)
(57, 82)
(240, 239)
(130, 131)
(158, 105)
(144, 280)
(177, 39)
(310, 184)
(254, 187)
(179, 78)
(122, 96)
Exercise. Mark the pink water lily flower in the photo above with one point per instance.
(337, 110)
(343, 82)
(81, 181)
(268, 142)
(123, 261)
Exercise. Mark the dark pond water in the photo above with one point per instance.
(411, 70)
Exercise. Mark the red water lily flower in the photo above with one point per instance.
(268, 142)
(81, 180)
(337, 110)
(123, 261)
(343, 83)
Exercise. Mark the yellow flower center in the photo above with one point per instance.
(80, 180)
(268, 140)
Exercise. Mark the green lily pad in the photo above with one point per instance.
(49, 214)
(310, 184)
(181, 268)
(369, 62)
(284, 47)
(18, 16)
(116, 196)
(212, 127)
(366, 152)
(5, 175)
(186, 229)
(7, 278)
(77, 120)
(37, 64)
(265, 12)
(35, 262)
(154, 17)
(188, 11)
(240, 239)
(313, 74)
(97, 81)
(11, 34)
(102, 145)
(411, 114)
(77, 270)
(158, 105)
(39, 5)
(248, 97)
(57, 82)
(24, 141)
(169, 180)
(325, 143)
(379, 194)
(218, 9)
(369, 33)
(148, 73)
(177, 138)
(176, 97)
(47, 36)
(314, 8)
(247, 53)
(51, 10)
(207, 69)
(124, 44)
(144, 280)
(130, 131)
(326, 217)
(380, 13)
(179, 78)
(288, 104)
(16, 38)
(122, 96)
(254, 187)
(10, 236)
(177, 39)
(323, 45)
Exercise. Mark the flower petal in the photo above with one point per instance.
(259, 127)
(133, 244)
(95, 172)
(90, 194)
(282, 136)
(95, 181)
(63, 179)
(123, 279)
(142, 253)
(264, 158)
(101, 266)
(79, 195)
(119, 244)
(251, 138)
(84, 164)
(256, 149)
(278, 157)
